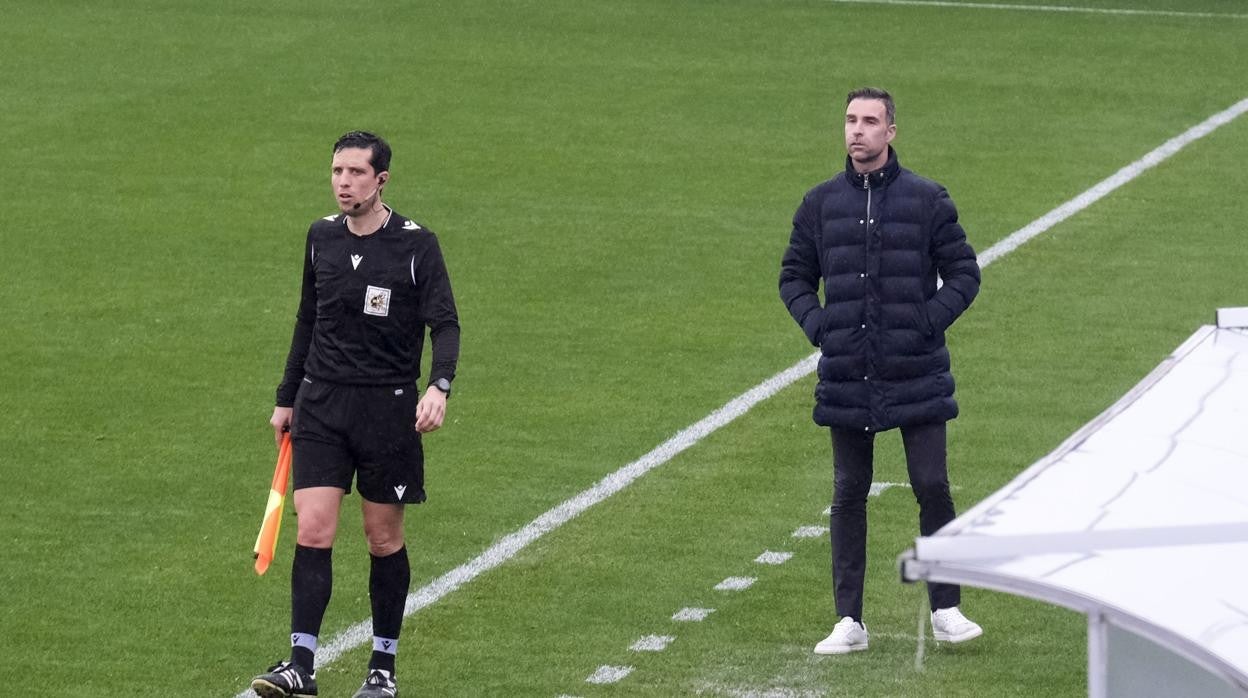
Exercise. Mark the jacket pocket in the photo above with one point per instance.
(924, 323)
(814, 325)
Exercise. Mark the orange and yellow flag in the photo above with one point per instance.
(266, 542)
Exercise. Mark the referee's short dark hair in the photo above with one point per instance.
(380, 149)
(890, 111)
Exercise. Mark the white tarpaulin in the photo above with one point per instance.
(1140, 520)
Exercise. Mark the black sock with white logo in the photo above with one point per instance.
(387, 589)
(311, 582)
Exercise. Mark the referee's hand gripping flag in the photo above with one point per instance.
(266, 542)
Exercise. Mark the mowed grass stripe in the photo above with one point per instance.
(360, 633)
(613, 183)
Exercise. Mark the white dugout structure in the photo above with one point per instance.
(1140, 521)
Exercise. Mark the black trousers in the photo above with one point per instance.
(853, 455)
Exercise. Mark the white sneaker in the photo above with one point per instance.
(949, 625)
(847, 636)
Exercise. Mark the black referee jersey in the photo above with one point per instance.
(365, 304)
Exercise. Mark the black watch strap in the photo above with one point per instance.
(442, 384)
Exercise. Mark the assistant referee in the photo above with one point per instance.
(373, 280)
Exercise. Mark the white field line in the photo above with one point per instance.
(609, 674)
(1150, 160)
(878, 488)
(770, 557)
(692, 615)
(509, 545)
(1046, 8)
(652, 643)
(809, 531)
(736, 584)
(747, 692)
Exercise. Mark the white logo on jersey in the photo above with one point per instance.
(411, 225)
(399, 490)
(377, 301)
(330, 217)
(355, 260)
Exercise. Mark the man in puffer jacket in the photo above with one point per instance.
(878, 236)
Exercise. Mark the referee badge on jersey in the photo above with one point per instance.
(377, 301)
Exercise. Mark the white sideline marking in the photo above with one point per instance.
(652, 643)
(878, 488)
(809, 531)
(507, 547)
(736, 692)
(692, 615)
(736, 583)
(361, 633)
(1046, 8)
(1153, 158)
(609, 674)
(773, 558)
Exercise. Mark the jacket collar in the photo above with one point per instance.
(876, 178)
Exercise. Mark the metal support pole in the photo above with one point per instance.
(1098, 655)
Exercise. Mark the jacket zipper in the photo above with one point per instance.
(866, 184)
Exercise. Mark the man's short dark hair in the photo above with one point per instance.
(890, 112)
(376, 145)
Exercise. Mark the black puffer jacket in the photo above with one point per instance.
(878, 242)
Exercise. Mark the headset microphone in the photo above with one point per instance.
(358, 204)
(377, 189)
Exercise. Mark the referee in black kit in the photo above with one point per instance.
(372, 281)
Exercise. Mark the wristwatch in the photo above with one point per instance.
(442, 384)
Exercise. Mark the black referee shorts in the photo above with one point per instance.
(366, 432)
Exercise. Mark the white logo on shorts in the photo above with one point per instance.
(377, 301)
(399, 490)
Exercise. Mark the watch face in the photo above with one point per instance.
(443, 384)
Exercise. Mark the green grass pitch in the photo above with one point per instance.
(612, 183)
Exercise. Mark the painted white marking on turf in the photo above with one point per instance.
(878, 488)
(1046, 8)
(809, 531)
(1153, 158)
(361, 633)
(609, 674)
(773, 558)
(736, 583)
(771, 692)
(692, 615)
(652, 643)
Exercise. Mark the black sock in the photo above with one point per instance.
(311, 582)
(387, 589)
